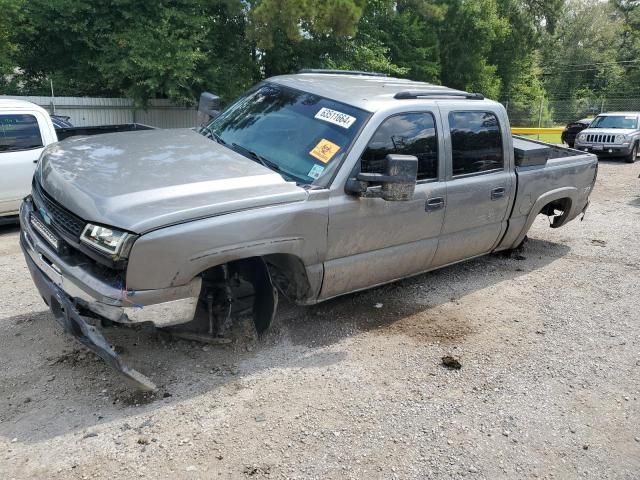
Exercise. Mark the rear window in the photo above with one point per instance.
(476, 142)
(19, 132)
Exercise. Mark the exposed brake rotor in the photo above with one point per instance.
(228, 292)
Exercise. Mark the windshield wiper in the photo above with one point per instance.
(266, 163)
(214, 135)
(257, 157)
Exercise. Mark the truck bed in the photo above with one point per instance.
(530, 152)
(548, 184)
(100, 129)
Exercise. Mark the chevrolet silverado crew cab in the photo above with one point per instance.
(310, 186)
(615, 134)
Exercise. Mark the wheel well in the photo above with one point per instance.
(288, 273)
(237, 287)
(557, 210)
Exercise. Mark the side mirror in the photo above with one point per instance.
(209, 104)
(398, 180)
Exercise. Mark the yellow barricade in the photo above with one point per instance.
(536, 131)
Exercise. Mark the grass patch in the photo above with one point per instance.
(545, 137)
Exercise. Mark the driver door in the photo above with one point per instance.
(372, 241)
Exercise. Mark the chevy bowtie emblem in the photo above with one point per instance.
(45, 216)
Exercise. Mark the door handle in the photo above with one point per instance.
(435, 203)
(497, 193)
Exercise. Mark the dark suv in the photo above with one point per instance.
(574, 128)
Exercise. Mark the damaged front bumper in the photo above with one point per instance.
(66, 314)
(68, 289)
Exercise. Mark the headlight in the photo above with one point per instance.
(582, 137)
(620, 138)
(116, 243)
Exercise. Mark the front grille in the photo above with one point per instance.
(600, 138)
(67, 228)
(61, 218)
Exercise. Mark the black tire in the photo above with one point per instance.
(633, 155)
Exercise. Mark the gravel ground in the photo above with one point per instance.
(354, 388)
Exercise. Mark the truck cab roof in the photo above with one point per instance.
(15, 104)
(370, 92)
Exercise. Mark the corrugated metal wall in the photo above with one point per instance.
(86, 111)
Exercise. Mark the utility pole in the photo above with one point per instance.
(540, 114)
(53, 99)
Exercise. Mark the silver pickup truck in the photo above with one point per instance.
(309, 186)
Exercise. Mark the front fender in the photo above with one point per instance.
(174, 255)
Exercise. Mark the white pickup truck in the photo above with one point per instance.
(25, 129)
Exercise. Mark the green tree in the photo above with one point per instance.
(177, 48)
(581, 55)
(466, 36)
(290, 33)
(138, 49)
(10, 11)
(627, 13)
(404, 33)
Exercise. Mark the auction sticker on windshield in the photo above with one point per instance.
(337, 118)
(324, 150)
(316, 171)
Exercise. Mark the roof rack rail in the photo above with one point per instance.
(342, 72)
(413, 94)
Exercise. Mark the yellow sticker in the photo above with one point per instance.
(324, 150)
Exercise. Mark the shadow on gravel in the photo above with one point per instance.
(6, 229)
(55, 366)
(635, 202)
(395, 305)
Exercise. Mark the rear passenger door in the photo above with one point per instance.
(479, 183)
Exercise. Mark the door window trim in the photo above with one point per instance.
(439, 173)
(42, 141)
(483, 172)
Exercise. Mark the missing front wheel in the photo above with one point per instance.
(229, 294)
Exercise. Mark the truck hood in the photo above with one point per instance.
(141, 181)
(609, 131)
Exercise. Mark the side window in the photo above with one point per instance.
(476, 142)
(406, 134)
(19, 132)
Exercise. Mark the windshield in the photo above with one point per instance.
(302, 136)
(615, 121)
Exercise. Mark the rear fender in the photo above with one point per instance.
(570, 193)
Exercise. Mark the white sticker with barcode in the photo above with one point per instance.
(337, 118)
